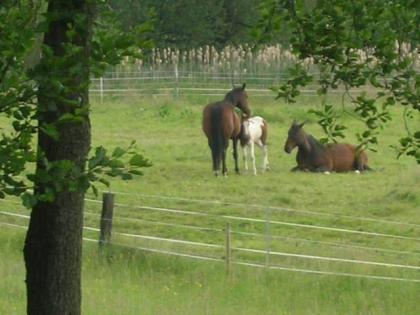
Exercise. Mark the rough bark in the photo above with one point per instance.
(53, 246)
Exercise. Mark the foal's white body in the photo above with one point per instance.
(254, 131)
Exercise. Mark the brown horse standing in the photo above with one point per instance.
(221, 123)
(314, 156)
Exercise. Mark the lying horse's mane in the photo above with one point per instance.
(315, 143)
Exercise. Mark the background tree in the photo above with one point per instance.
(187, 24)
(367, 44)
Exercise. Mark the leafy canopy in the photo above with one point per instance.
(367, 44)
(27, 110)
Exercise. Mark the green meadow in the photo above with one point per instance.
(380, 208)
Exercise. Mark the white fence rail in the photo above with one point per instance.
(155, 242)
(187, 83)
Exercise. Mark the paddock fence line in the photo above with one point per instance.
(259, 206)
(188, 83)
(225, 249)
(247, 264)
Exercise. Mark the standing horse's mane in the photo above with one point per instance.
(229, 97)
(232, 94)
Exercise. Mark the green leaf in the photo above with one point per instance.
(28, 200)
(68, 117)
(126, 176)
(116, 163)
(136, 172)
(51, 131)
(118, 152)
(95, 190)
(138, 160)
(104, 181)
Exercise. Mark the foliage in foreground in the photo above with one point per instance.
(355, 45)
(29, 110)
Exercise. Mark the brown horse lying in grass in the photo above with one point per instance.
(314, 156)
(221, 123)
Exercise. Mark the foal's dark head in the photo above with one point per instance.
(296, 137)
(239, 98)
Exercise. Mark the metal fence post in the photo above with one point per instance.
(106, 218)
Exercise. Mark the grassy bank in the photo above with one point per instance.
(168, 132)
(127, 282)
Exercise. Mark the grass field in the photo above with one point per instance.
(168, 132)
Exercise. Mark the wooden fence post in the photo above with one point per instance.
(106, 218)
(228, 248)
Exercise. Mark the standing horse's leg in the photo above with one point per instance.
(235, 154)
(266, 164)
(252, 146)
(264, 149)
(216, 164)
(224, 169)
(245, 156)
(215, 159)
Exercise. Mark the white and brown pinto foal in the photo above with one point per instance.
(254, 131)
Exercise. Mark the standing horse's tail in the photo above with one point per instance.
(217, 140)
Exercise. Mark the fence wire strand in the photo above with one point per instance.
(248, 264)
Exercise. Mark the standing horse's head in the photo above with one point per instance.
(296, 137)
(238, 97)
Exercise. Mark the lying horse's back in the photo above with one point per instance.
(346, 157)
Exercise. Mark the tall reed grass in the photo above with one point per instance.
(229, 60)
(234, 60)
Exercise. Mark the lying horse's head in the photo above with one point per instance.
(296, 137)
(239, 98)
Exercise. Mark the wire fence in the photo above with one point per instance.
(186, 83)
(246, 252)
(239, 218)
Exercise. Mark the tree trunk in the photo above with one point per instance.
(53, 245)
